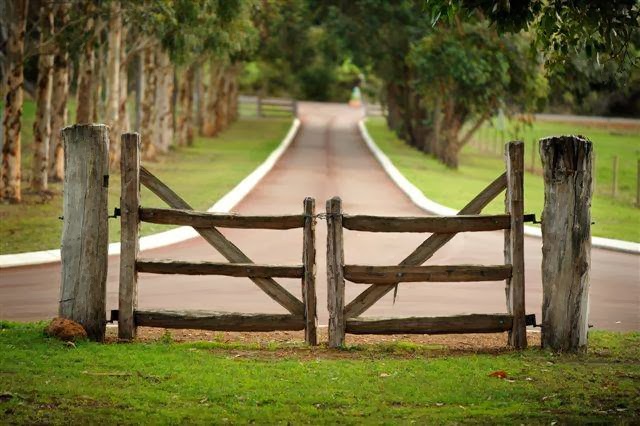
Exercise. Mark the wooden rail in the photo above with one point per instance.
(251, 270)
(219, 321)
(476, 323)
(434, 224)
(365, 274)
(206, 220)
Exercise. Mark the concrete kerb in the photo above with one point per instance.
(176, 235)
(430, 206)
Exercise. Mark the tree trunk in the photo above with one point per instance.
(222, 101)
(124, 125)
(233, 92)
(139, 90)
(394, 118)
(567, 163)
(42, 123)
(84, 95)
(185, 127)
(113, 82)
(59, 96)
(99, 76)
(147, 129)
(200, 99)
(16, 15)
(210, 118)
(164, 90)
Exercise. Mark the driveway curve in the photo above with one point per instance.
(329, 158)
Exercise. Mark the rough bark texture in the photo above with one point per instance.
(200, 100)
(335, 278)
(59, 96)
(42, 123)
(567, 163)
(129, 233)
(12, 120)
(124, 125)
(113, 81)
(84, 95)
(185, 122)
(309, 280)
(85, 228)
(210, 116)
(164, 92)
(147, 124)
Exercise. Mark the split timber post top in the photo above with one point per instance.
(85, 229)
(567, 163)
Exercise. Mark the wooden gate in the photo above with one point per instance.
(302, 313)
(344, 319)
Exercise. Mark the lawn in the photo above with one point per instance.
(46, 381)
(482, 161)
(201, 174)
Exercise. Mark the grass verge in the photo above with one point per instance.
(201, 174)
(479, 164)
(45, 381)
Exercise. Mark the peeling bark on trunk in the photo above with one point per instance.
(185, 126)
(199, 101)
(210, 117)
(164, 91)
(147, 129)
(124, 125)
(99, 76)
(113, 82)
(42, 123)
(84, 95)
(233, 92)
(59, 96)
(16, 18)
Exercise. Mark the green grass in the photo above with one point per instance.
(480, 163)
(200, 174)
(44, 381)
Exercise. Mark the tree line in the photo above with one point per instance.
(170, 66)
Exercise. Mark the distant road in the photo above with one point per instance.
(328, 158)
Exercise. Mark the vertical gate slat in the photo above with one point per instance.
(515, 201)
(335, 275)
(309, 278)
(130, 227)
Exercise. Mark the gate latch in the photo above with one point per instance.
(530, 218)
(116, 213)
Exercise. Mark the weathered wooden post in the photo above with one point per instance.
(85, 228)
(309, 278)
(335, 273)
(566, 241)
(129, 230)
(514, 243)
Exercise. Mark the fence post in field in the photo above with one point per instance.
(309, 279)
(259, 106)
(335, 273)
(566, 241)
(514, 242)
(83, 292)
(129, 230)
(614, 183)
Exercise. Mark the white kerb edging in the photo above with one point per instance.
(430, 206)
(176, 235)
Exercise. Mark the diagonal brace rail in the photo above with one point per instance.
(373, 293)
(222, 244)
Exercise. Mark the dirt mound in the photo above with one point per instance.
(65, 330)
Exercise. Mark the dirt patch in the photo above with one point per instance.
(290, 344)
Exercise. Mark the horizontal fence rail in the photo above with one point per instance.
(219, 321)
(364, 274)
(460, 324)
(250, 270)
(433, 224)
(205, 220)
